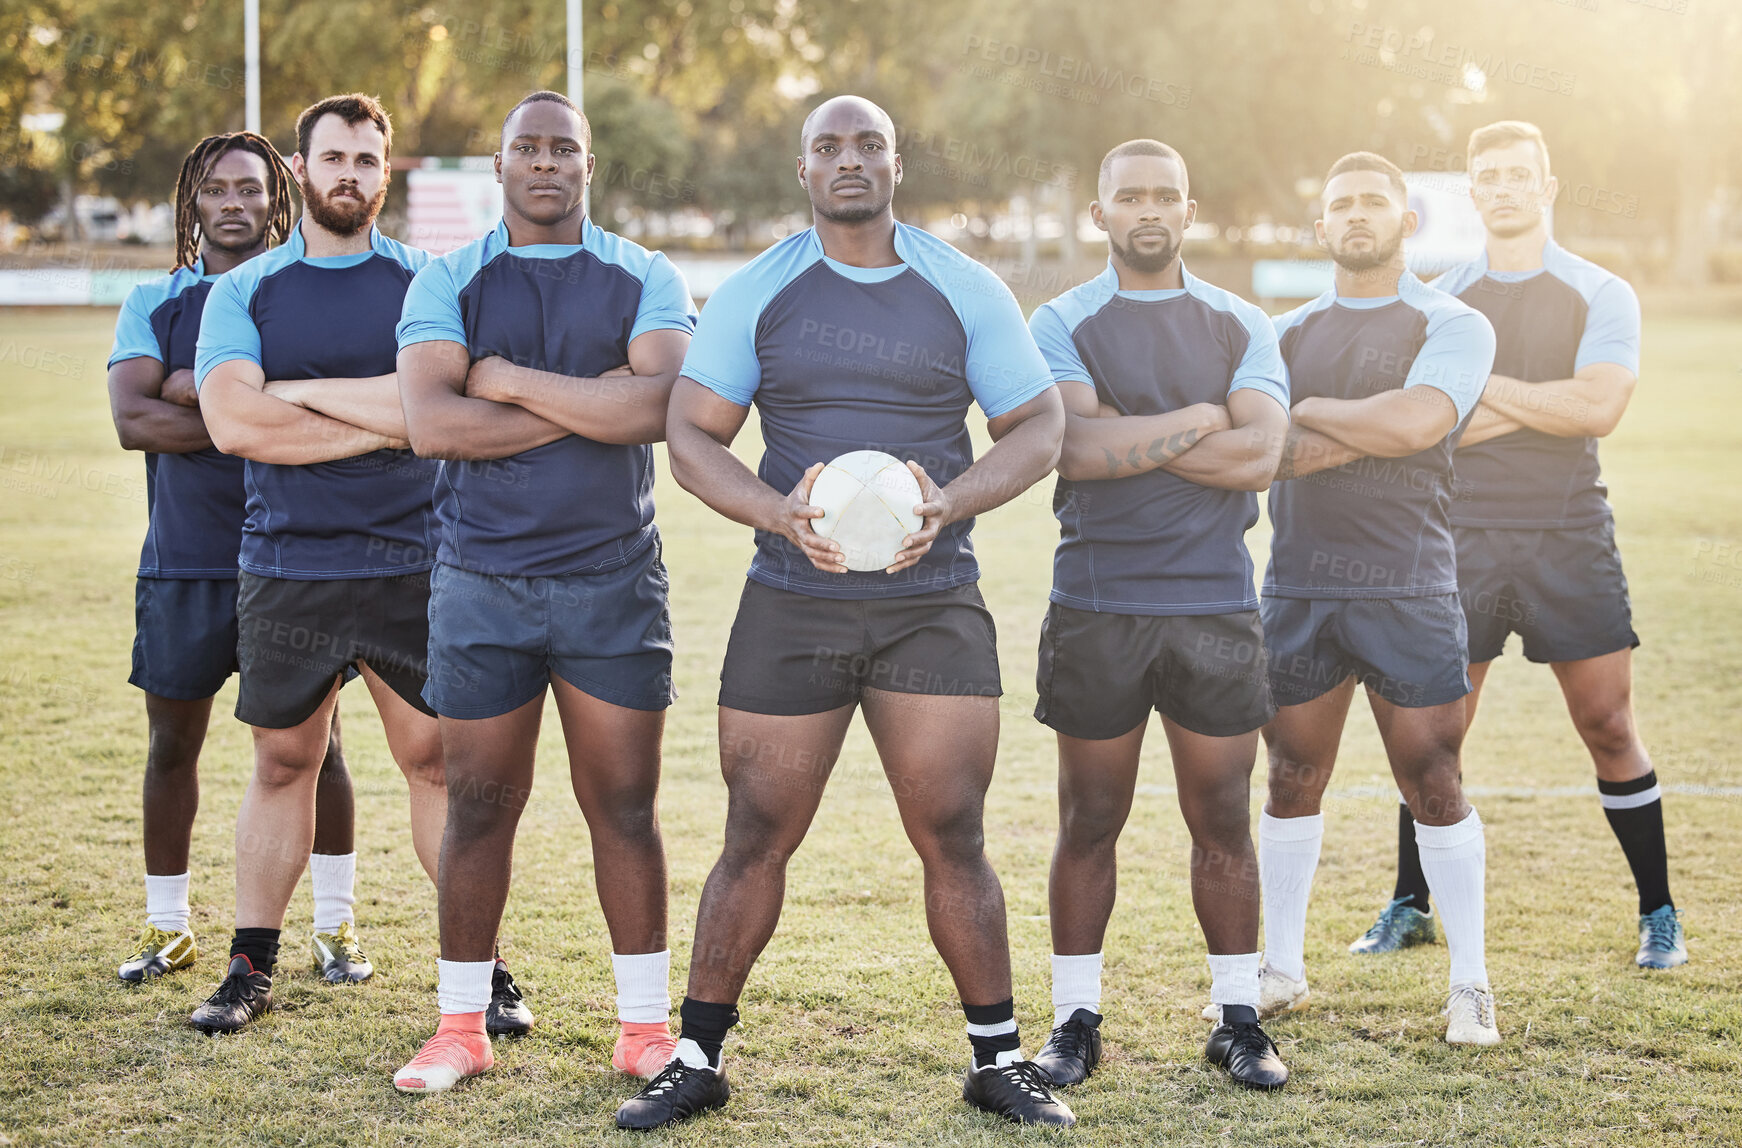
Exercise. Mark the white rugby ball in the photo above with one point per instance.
(867, 498)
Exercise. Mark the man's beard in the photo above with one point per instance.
(853, 211)
(341, 215)
(1141, 263)
(1381, 255)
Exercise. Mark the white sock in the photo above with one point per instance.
(1454, 859)
(1076, 983)
(333, 875)
(463, 986)
(643, 986)
(1288, 856)
(166, 902)
(1234, 978)
(691, 1054)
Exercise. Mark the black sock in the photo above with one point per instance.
(260, 946)
(1411, 881)
(707, 1023)
(987, 1048)
(1639, 828)
(1239, 1014)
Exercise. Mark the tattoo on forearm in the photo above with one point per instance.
(1159, 451)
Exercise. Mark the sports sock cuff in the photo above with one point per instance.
(1291, 830)
(992, 1017)
(463, 986)
(466, 1022)
(1449, 836)
(1234, 978)
(1629, 794)
(1076, 982)
(260, 946)
(643, 986)
(166, 901)
(334, 878)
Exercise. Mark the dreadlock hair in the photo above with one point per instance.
(197, 167)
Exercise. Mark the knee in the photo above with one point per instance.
(951, 836)
(1293, 786)
(1608, 732)
(279, 773)
(628, 815)
(425, 770)
(480, 808)
(1089, 825)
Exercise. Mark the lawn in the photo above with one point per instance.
(850, 1034)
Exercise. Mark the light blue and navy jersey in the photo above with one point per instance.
(839, 358)
(194, 501)
(1155, 543)
(332, 317)
(1548, 324)
(1376, 527)
(573, 505)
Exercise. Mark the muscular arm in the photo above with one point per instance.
(1243, 457)
(1100, 443)
(699, 429)
(613, 407)
(442, 421)
(147, 413)
(1484, 424)
(1590, 403)
(244, 420)
(372, 404)
(1307, 452)
(1390, 424)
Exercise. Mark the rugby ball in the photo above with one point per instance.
(867, 498)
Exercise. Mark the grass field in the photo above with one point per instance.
(851, 1035)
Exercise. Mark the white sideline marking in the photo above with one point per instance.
(1374, 792)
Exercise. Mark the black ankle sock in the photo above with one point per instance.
(707, 1023)
(1239, 1014)
(987, 1048)
(1411, 881)
(1639, 828)
(260, 946)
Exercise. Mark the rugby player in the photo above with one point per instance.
(537, 363)
(858, 333)
(232, 202)
(1534, 531)
(1362, 583)
(294, 366)
(1176, 409)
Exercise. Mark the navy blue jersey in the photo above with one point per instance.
(573, 505)
(331, 317)
(1155, 543)
(1548, 324)
(1376, 527)
(194, 502)
(840, 358)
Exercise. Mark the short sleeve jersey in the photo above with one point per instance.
(331, 317)
(1156, 543)
(839, 358)
(195, 502)
(1376, 527)
(573, 505)
(1548, 324)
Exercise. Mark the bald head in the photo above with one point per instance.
(845, 115)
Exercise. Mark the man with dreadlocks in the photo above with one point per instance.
(232, 202)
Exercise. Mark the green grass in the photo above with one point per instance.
(851, 1035)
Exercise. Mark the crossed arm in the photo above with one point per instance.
(1327, 432)
(1233, 447)
(247, 416)
(491, 408)
(153, 411)
(1590, 403)
(701, 426)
